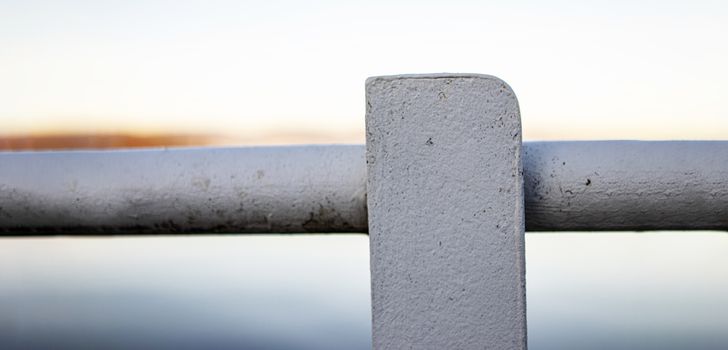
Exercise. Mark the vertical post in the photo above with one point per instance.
(446, 221)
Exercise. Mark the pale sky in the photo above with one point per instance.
(586, 70)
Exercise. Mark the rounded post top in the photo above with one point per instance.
(387, 78)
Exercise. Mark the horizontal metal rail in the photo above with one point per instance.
(569, 186)
(626, 185)
(246, 190)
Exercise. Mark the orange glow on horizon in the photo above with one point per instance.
(280, 136)
(121, 140)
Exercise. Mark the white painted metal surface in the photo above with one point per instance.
(446, 221)
(577, 185)
(266, 189)
(626, 185)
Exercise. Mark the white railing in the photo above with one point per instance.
(569, 186)
(445, 188)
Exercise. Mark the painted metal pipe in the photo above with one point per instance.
(242, 190)
(569, 186)
(626, 185)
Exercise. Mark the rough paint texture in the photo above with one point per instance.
(626, 185)
(254, 189)
(446, 223)
(570, 185)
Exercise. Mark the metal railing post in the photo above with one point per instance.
(446, 217)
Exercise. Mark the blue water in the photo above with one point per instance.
(585, 291)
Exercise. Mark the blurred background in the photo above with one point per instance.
(154, 73)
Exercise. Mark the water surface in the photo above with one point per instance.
(585, 291)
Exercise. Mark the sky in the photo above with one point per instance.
(294, 72)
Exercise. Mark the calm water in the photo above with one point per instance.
(585, 291)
